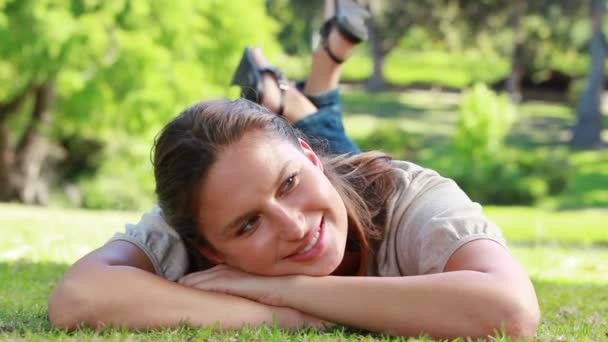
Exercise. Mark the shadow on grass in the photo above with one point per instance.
(386, 105)
(590, 191)
(539, 132)
(589, 186)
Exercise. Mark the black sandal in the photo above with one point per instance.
(248, 76)
(349, 19)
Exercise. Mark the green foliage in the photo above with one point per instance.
(484, 121)
(124, 68)
(125, 179)
(297, 22)
(488, 171)
(558, 33)
(393, 140)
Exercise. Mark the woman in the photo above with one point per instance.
(256, 226)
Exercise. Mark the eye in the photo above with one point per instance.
(289, 183)
(250, 225)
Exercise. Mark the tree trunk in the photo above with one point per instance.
(517, 63)
(32, 149)
(5, 164)
(377, 81)
(7, 192)
(586, 133)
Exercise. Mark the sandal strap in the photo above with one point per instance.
(281, 81)
(336, 59)
(324, 32)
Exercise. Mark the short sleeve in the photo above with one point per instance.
(159, 242)
(430, 217)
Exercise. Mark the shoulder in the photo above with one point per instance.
(428, 218)
(407, 172)
(160, 242)
(420, 184)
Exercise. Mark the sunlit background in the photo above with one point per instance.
(504, 97)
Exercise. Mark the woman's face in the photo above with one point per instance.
(266, 207)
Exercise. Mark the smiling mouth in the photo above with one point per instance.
(312, 243)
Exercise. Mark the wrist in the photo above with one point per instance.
(291, 289)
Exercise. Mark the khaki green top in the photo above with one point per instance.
(428, 218)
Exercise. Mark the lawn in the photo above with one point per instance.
(406, 67)
(570, 274)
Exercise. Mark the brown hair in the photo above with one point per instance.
(188, 146)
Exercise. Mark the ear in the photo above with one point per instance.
(210, 254)
(310, 154)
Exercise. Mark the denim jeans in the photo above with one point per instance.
(324, 129)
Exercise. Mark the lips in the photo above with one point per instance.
(312, 242)
(306, 249)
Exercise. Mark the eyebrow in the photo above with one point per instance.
(230, 226)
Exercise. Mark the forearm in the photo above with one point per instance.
(462, 303)
(133, 298)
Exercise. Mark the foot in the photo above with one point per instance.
(343, 30)
(272, 94)
(296, 105)
(339, 46)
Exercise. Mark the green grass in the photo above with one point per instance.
(589, 187)
(570, 273)
(33, 233)
(403, 67)
(584, 227)
(455, 70)
(431, 114)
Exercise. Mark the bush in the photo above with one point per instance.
(392, 140)
(512, 177)
(488, 171)
(484, 121)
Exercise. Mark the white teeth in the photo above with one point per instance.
(312, 243)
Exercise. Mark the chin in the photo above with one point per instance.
(332, 264)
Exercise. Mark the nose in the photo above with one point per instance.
(291, 223)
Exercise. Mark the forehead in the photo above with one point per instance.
(255, 152)
(243, 171)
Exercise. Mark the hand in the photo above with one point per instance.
(229, 280)
(292, 319)
(265, 290)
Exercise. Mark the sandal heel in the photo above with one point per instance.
(248, 77)
(350, 20)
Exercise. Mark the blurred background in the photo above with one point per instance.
(504, 97)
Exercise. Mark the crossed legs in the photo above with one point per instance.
(324, 76)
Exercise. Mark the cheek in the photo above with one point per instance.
(323, 189)
(331, 195)
(250, 251)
